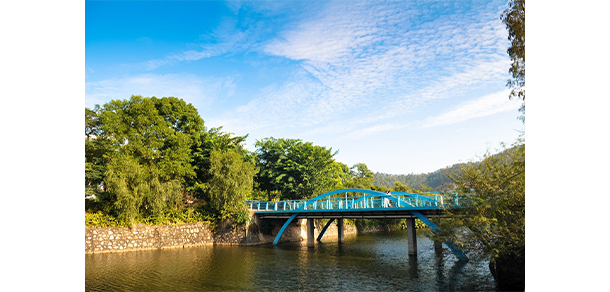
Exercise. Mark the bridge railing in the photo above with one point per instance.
(400, 200)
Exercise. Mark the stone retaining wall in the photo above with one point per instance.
(146, 237)
(99, 240)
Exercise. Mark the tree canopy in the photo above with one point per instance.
(151, 141)
(295, 169)
(155, 155)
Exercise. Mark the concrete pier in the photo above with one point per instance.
(411, 236)
(340, 230)
(310, 233)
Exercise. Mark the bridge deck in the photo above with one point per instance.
(389, 213)
(371, 204)
(356, 206)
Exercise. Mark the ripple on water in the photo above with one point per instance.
(365, 262)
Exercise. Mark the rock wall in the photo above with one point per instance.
(146, 237)
(98, 240)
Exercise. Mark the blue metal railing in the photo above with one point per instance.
(368, 200)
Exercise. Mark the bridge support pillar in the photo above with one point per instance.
(310, 234)
(340, 230)
(411, 237)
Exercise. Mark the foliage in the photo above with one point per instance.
(231, 180)
(168, 217)
(495, 224)
(154, 131)
(152, 139)
(398, 187)
(297, 170)
(154, 153)
(210, 140)
(514, 19)
(175, 217)
(360, 177)
(97, 148)
(101, 220)
(436, 180)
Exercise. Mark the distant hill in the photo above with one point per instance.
(437, 180)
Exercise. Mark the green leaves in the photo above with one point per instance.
(496, 221)
(230, 183)
(296, 169)
(147, 143)
(514, 19)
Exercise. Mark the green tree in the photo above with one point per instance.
(361, 177)
(97, 147)
(231, 180)
(495, 220)
(295, 169)
(340, 175)
(139, 190)
(398, 187)
(153, 139)
(208, 141)
(514, 19)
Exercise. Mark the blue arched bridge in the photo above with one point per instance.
(361, 203)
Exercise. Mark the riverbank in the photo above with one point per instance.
(104, 240)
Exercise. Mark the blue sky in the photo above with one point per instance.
(402, 86)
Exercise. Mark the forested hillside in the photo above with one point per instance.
(437, 180)
(434, 179)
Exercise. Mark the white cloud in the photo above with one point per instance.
(371, 54)
(483, 106)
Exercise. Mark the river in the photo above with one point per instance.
(376, 261)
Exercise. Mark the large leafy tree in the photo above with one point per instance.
(514, 19)
(153, 138)
(295, 169)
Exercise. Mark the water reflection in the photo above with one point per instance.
(365, 262)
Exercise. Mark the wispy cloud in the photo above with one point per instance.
(484, 106)
(361, 70)
(226, 38)
(371, 54)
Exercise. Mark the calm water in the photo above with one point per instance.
(366, 262)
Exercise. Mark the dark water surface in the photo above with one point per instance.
(365, 262)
